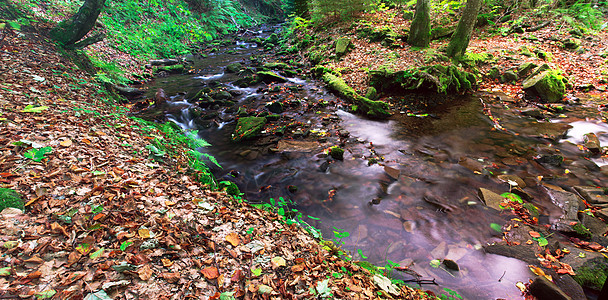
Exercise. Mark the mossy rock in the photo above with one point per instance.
(524, 69)
(548, 85)
(271, 40)
(10, 198)
(247, 128)
(582, 231)
(592, 274)
(234, 67)
(173, 69)
(371, 93)
(230, 187)
(571, 43)
(508, 76)
(441, 32)
(268, 77)
(523, 50)
(342, 46)
(442, 79)
(373, 109)
(336, 153)
(494, 73)
(276, 66)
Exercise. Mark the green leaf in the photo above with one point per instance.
(361, 253)
(97, 173)
(337, 275)
(83, 248)
(46, 294)
(512, 197)
(435, 263)
(37, 154)
(311, 217)
(542, 241)
(32, 109)
(5, 271)
(227, 296)
(496, 227)
(95, 255)
(125, 245)
(256, 272)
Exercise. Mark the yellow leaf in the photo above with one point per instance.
(233, 238)
(66, 143)
(278, 262)
(166, 262)
(144, 233)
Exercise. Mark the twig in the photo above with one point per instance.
(503, 275)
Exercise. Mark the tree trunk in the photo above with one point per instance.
(301, 8)
(420, 31)
(70, 31)
(460, 40)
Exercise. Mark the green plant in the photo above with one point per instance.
(37, 154)
(10, 198)
(451, 295)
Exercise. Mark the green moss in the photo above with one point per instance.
(269, 76)
(441, 78)
(593, 277)
(248, 127)
(342, 45)
(10, 198)
(374, 109)
(582, 231)
(276, 65)
(230, 187)
(336, 153)
(549, 85)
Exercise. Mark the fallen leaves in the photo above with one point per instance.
(210, 273)
(233, 238)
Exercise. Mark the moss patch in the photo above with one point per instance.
(248, 127)
(336, 153)
(374, 109)
(594, 276)
(10, 198)
(548, 85)
(442, 79)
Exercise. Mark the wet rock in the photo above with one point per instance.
(336, 153)
(276, 66)
(569, 204)
(543, 289)
(451, 265)
(392, 172)
(571, 43)
(324, 166)
(547, 85)
(269, 77)
(590, 267)
(602, 213)
(569, 286)
(221, 95)
(248, 127)
(234, 67)
(533, 112)
(471, 164)
(592, 143)
(164, 62)
(299, 146)
(128, 92)
(554, 160)
(593, 195)
(275, 107)
(490, 198)
(595, 225)
(512, 180)
(521, 252)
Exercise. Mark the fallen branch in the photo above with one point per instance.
(539, 27)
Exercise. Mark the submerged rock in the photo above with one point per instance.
(593, 195)
(233, 67)
(569, 204)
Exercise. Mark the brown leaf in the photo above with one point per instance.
(73, 258)
(34, 275)
(297, 268)
(171, 277)
(534, 234)
(145, 273)
(210, 272)
(236, 277)
(58, 229)
(144, 233)
(233, 238)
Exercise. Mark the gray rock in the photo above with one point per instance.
(451, 265)
(233, 67)
(592, 143)
(543, 289)
(164, 62)
(554, 160)
(520, 252)
(490, 198)
(569, 286)
(593, 195)
(508, 76)
(221, 95)
(569, 204)
(533, 112)
(342, 46)
(275, 107)
(524, 69)
(595, 225)
(602, 213)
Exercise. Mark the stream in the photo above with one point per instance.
(406, 190)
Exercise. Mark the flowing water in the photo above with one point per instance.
(423, 172)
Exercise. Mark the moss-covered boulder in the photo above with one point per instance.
(269, 76)
(508, 76)
(571, 43)
(233, 67)
(336, 153)
(276, 66)
(440, 78)
(342, 45)
(247, 128)
(548, 85)
(374, 109)
(371, 93)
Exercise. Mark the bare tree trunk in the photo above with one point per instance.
(420, 30)
(460, 40)
(70, 31)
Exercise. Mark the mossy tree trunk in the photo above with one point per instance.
(420, 30)
(460, 40)
(70, 31)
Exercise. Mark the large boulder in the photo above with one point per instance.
(269, 76)
(548, 85)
